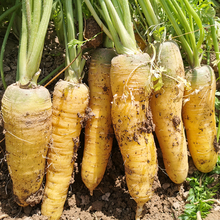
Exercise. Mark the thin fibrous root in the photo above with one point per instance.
(91, 192)
(198, 215)
(210, 200)
(139, 211)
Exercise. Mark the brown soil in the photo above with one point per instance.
(176, 121)
(92, 29)
(111, 199)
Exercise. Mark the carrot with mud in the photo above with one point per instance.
(26, 110)
(98, 130)
(70, 101)
(166, 100)
(198, 104)
(166, 105)
(130, 80)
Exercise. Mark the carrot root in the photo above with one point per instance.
(99, 130)
(70, 101)
(28, 127)
(199, 118)
(130, 79)
(166, 105)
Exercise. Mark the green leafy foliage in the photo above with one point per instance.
(203, 189)
(217, 104)
(57, 17)
(217, 167)
(157, 77)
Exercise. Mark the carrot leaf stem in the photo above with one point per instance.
(125, 38)
(185, 23)
(34, 26)
(150, 15)
(128, 20)
(118, 9)
(216, 48)
(32, 38)
(70, 30)
(185, 44)
(215, 42)
(73, 40)
(23, 79)
(198, 22)
(112, 30)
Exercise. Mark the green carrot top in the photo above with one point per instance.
(35, 19)
(66, 14)
(117, 16)
(177, 15)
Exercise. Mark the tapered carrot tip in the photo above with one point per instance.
(139, 211)
(91, 192)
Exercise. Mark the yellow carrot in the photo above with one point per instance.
(99, 130)
(166, 105)
(70, 101)
(132, 121)
(198, 103)
(26, 109)
(27, 122)
(199, 118)
(130, 80)
(69, 105)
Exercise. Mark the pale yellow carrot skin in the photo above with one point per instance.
(166, 106)
(130, 83)
(70, 101)
(28, 127)
(99, 130)
(199, 118)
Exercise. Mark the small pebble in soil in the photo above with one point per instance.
(217, 208)
(85, 200)
(105, 197)
(166, 185)
(185, 194)
(119, 210)
(176, 205)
